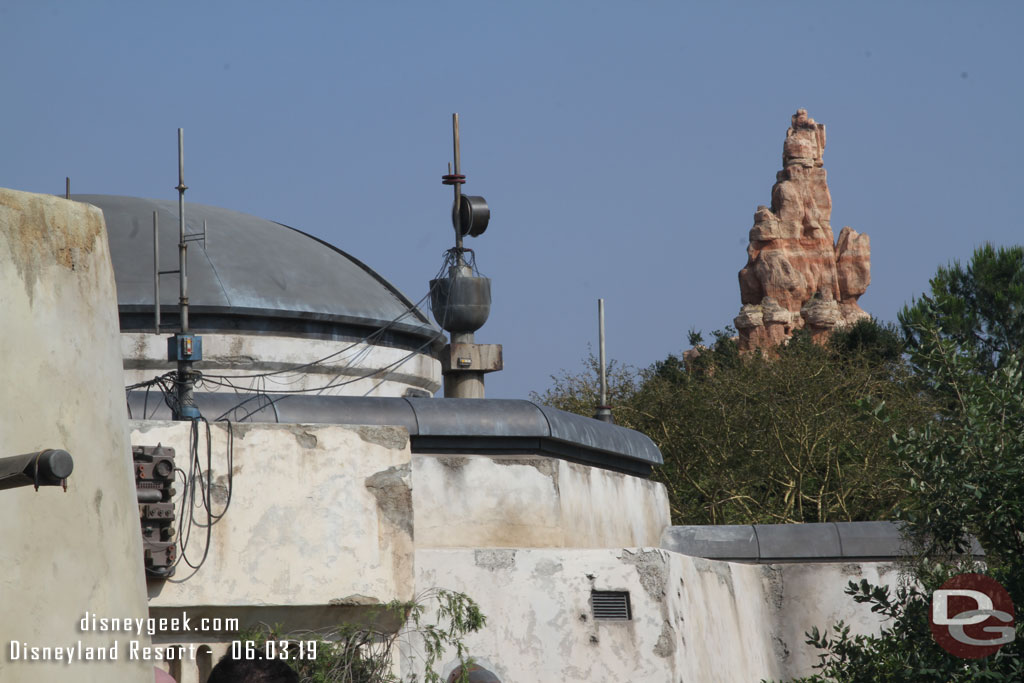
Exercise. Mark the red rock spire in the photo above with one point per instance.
(796, 274)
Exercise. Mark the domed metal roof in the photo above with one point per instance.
(252, 274)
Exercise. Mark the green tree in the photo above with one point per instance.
(580, 392)
(965, 472)
(980, 308)
(967, 479)
(746, 438)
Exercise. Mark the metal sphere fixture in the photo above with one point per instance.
(461, 302)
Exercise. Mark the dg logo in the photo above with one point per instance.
(972, 616)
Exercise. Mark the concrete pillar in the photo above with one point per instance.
(65, 554)
(464, 364)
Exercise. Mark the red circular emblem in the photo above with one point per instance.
(972, 616)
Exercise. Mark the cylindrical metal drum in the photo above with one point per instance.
(461, 303)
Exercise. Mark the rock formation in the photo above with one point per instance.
(796, 274)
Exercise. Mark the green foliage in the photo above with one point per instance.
(580, 393)
(980, 308)
(363, 653)
(966, 477)
(724, 352)
(879, 342)
(752, 439)
(461, 616)
(928, 427)
(967, 473)
(905, 649)
(749, 439)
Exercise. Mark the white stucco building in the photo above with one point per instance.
(344, 484)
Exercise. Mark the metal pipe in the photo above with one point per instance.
(156, 274)
(186, 403)
(603, 412)
(182, 245)
(457, 209)
(600, 325)
(42, 468)
(67, 187)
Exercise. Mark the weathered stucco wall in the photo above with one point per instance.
(320, 517)
(349, 367)
(532, 502)
(63, 554)
(693, 619)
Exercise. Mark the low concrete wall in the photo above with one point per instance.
(692, 619)
(64, 554)
(532, 502)
(319, 525)
(322, 519)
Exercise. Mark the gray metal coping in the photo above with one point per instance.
(251, 267)
(763, 543)
(438, 425)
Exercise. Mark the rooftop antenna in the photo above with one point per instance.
(184, 347)
(461, 302)
(156, 265)
(603, 412)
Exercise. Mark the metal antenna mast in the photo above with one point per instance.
(461, 301)
(182, 245)
(457, 187)
(184, 347)
(603, 412)
(470, 213)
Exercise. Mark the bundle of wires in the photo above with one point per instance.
(196, 504)
(197, 510)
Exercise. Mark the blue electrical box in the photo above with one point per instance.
(184, 347)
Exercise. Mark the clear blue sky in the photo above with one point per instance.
(623, 147)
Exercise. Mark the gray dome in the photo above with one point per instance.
(252, 275)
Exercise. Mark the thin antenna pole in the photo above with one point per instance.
(457, 209)
(600, 325)
(603, 412)
(67, 187)
(156, 273)
(186, 408)
(182, 245)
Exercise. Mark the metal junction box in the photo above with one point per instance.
(184, 347)
(154, 478)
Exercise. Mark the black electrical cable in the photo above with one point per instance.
(368, 338)
(451, 259)
(195, 485)
(226, 380)
(195, 478)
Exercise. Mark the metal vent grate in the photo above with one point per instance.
(612, 605)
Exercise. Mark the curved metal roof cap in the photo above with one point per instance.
(815, 542)
(490, 424)
(249, 267)
(573, 428)
(520, 418)
(478, 417)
